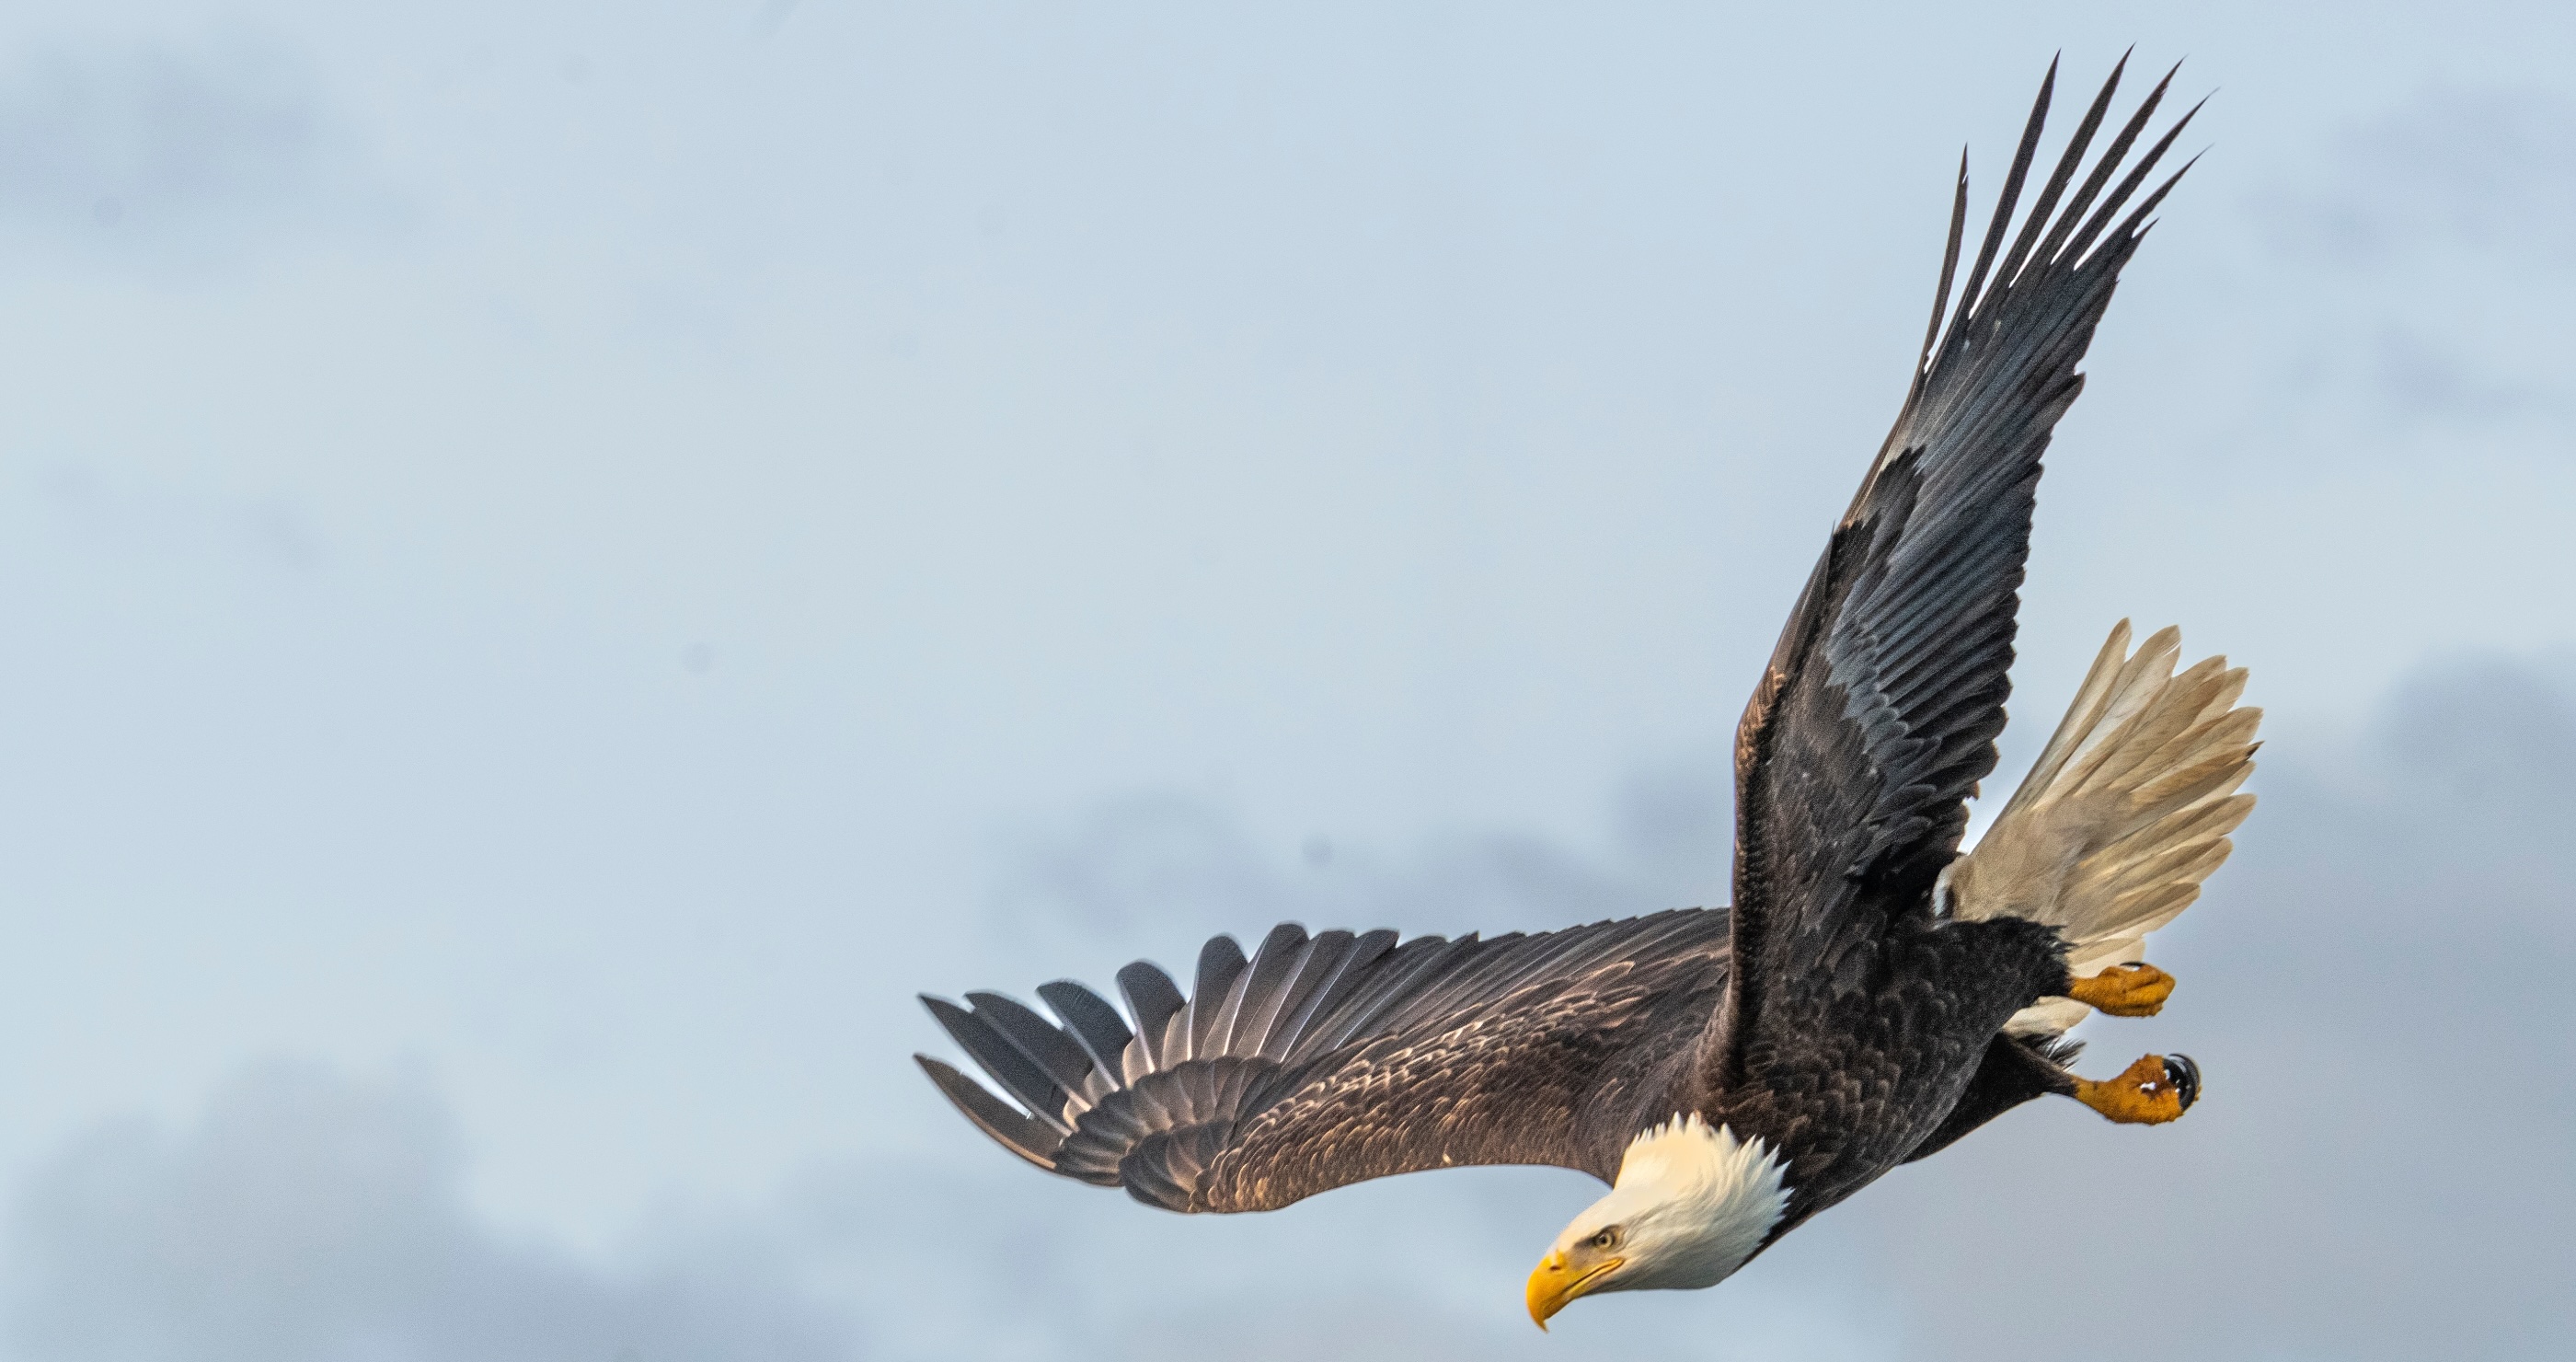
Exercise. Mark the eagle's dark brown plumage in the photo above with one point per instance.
(1836, 1012)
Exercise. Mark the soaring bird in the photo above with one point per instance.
(1872, 995)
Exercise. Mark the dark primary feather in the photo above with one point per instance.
(1329, 1059)
(1878, 712)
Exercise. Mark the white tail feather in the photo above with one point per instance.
(2123, 815)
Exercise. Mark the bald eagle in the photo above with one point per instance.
(1872, 994)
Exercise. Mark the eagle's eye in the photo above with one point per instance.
(1607, 1239)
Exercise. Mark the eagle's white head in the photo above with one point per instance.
(1691, 1204)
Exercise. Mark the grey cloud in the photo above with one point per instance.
(2374, 986)
(1135, 871)
(2490, 738)
(2490, 169)
(1133, 862)
(310, 1218)
(2419, 377)
(2416, 258)
(1424, 1269)
(176, 155)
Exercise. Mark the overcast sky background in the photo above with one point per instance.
(558, 562)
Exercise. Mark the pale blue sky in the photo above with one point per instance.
(560, 561)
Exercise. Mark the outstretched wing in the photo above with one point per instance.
(1335, 1058)
(1879, 710)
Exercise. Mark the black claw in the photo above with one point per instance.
(2185, 1078)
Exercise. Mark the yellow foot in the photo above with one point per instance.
(2156, 1089)
(2125, 990)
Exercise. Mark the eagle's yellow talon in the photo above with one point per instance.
(2154, 1090)
(2125, 990)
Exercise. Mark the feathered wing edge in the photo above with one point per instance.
(1153, 1099)
(1060, 1073)
(2123, 815)
(2071, 237)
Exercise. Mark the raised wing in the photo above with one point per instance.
(1878, 713)
(1334, 1058)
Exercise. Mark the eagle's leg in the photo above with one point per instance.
(2156, 1089)
(2124, 990)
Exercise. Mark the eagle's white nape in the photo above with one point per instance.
(1691, 1204)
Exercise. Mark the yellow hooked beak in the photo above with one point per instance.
(1557, 1280)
